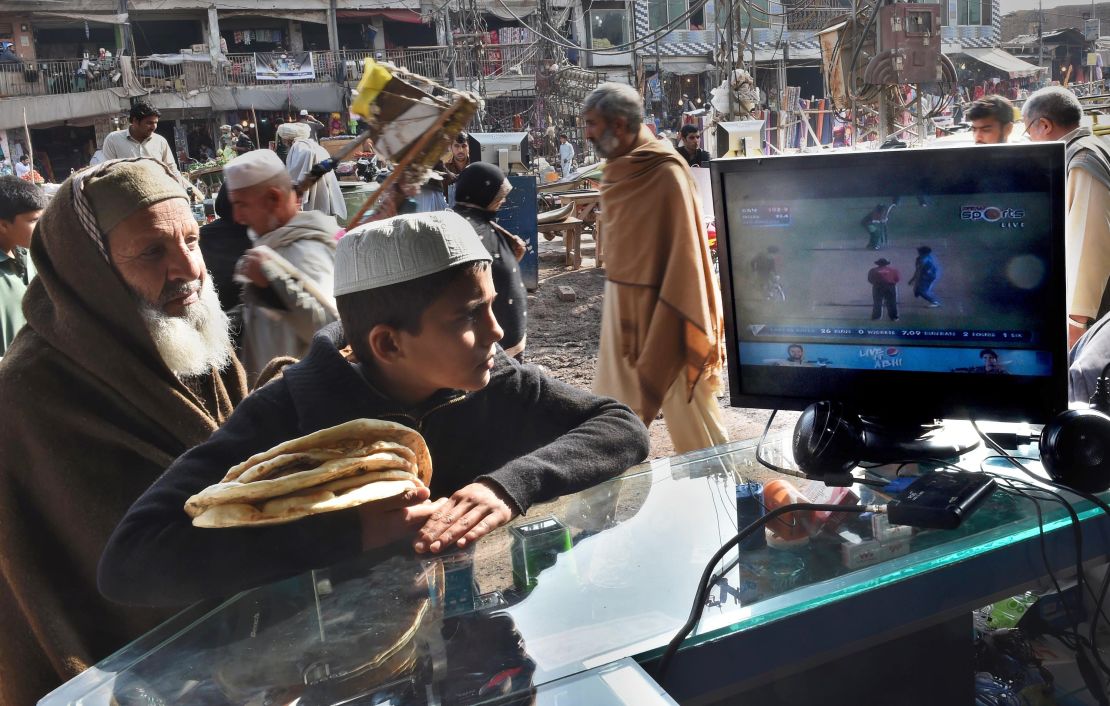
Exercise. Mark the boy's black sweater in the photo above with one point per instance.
(535, 437)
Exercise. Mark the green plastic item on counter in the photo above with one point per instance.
(1007, 612)
(536, 546)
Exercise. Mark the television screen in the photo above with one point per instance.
(488, 146)
(920, 283)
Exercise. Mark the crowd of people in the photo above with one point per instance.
(147, 356)
(150, 355)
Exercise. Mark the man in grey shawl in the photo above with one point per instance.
(288, 273)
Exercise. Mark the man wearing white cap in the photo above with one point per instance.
(288, 273)
(317, 127)
(304, 154)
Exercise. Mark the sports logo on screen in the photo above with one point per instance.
(1004, 217)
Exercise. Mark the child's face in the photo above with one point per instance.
(17, 232)
(455, 346)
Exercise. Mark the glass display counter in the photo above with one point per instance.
(581, 583)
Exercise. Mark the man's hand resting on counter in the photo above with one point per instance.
(472, 512)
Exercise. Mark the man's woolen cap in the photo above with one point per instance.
(882, 262)
(404, 248)
(124, 187)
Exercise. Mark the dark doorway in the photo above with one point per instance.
(315, 36)
(399, 35)
(60, 150)
(71, 42)
(166, 36)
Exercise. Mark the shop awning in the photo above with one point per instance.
(321, 97)
(110, 19)
(795, 53)
(42, 110)
(508, 10)
(411, 16)
(685, 67)
(319, 17)
(1009, 64)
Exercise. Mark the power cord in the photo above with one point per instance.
(1100, 399)
(705, 583)
(1091, 641)
(1083, 660)
(1073, 641)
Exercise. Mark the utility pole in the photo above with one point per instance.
(730, 63)
(850, 84)
(658, 74)
(449, 40)
(1040, 37)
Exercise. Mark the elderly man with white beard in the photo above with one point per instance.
(123, 365)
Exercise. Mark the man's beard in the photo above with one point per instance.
(272, 224)
(196, 342)
(606, 144)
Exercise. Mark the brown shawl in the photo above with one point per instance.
(657, 255)
(92, 417)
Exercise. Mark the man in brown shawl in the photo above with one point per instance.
(661, 329)
(123, 365)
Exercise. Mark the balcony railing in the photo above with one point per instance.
(55, 77)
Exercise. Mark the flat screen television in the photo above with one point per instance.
(917, 284)
(509, 151)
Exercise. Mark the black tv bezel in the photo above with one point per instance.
(901, 393)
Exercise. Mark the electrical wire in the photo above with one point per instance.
(1081, 581)
(704, 585)
(1081, 576)
(1091, 641)
(639, 43)
(1077, 641)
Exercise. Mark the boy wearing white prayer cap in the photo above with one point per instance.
(287, 275)
(415, 297)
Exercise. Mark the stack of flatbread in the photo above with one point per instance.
(359, 462)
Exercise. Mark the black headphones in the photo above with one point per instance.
(1075, 445)
(831, 439)
(828, 440)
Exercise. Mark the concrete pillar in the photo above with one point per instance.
(379, 33)
(213, 33)
(296, 36)
(124, 41)
(102, 125)
(333, 27)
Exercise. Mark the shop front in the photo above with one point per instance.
(62, 149)
(986, 71)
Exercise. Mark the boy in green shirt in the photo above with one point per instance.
(21, 205)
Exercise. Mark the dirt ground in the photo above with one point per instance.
(563, 337)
